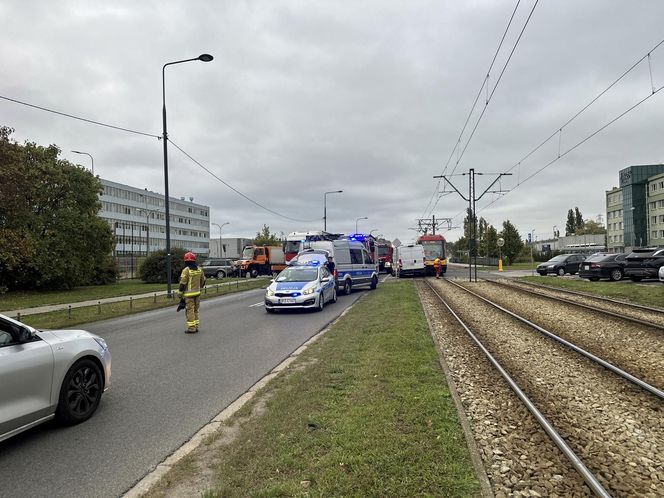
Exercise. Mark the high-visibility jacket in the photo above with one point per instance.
(191, 282)
(436, 263)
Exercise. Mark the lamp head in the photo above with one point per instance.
(205, 57)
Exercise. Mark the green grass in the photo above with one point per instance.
(31, 299)
(648, 295)
(87, 314)
(370, 415)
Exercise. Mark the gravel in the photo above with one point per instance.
(614, 427)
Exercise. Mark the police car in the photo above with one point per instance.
(301, 286)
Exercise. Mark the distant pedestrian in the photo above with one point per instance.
(436, 267)
(192, 280)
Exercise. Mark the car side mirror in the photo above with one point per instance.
(22, 334)
(325, 279)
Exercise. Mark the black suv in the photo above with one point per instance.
(644, 262)
(219, 267)
(561, 264)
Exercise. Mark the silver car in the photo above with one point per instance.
(301, 287)
(49, 373)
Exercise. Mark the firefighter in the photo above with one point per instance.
(192, 280)
(436, 267)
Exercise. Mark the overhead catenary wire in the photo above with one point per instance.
(472, 109)
(159, 137)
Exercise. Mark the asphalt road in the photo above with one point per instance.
(165, 386)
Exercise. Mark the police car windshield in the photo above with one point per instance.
(298, 275)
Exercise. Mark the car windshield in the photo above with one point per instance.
(383, 250)
(313, 256)
(560, 257)
(248, 253)
(292, 246)
(595, 258)
(298, 275)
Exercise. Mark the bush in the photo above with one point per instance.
(105, 272)
(153, 269)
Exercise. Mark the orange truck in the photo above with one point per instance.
(261, 260)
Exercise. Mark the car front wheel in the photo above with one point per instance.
(615, 275)
(334, 294)
(321, 302)
(220, 274)
(80, 392)
(561, 272)
(348, 287)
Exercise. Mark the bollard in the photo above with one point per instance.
(155, 298)
(131, 302)
(18, 316)
(69, 312)
(99, 307)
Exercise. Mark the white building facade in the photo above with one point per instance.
(138, 221)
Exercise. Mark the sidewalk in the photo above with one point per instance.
(94, 302)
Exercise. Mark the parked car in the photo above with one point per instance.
(49, 373)
(306, 286)
(661, 274)
(602, 265)
(561, 264)
(219, 267)
(644, 262)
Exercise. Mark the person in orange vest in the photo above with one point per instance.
(436, 267)
(192, 280)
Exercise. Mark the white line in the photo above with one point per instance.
(257, 304)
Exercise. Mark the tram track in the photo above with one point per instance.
(636, 313)
(589, 405)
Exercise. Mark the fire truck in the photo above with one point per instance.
(384, 251)
(434, 247)
(296, 241)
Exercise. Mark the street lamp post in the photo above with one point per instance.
(91, 158)
(358, 219)
(203, 58)
(325, 206)
(220, 241)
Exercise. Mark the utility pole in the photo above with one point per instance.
(472, 200)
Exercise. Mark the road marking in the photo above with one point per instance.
(257, 304)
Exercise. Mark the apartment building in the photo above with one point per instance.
(655, 188)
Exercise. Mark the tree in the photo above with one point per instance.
(491, 241)
(578, 219)
(50, 233)
(513, 242)
(591, 227)
(265, 238)
(570, 226)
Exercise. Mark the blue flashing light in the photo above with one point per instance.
(360, 237)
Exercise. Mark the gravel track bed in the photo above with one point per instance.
(635, 348)
(650, 316)
(614, 427)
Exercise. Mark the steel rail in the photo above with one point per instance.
(593, 296)
(627, 376)
(574, 459)
(581, 305)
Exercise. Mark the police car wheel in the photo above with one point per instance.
(374, 282)
(321, 302)
(334, 295)
(348, 287)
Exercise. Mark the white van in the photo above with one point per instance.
(410, 260)
(353, 264)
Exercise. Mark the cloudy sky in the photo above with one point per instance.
(367, 97)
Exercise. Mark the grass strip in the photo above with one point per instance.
(365, 411)
(76, 316)
(647, 295)
(30, 299)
